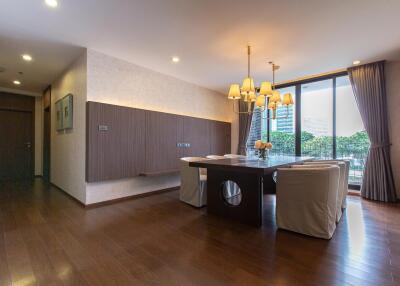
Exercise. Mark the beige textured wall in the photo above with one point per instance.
(115, 81)
(393, 97)
(68, 148)
(38, 136)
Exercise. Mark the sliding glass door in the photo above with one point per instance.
(352, 142)
(324, 123)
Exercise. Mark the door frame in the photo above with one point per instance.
(46, 104)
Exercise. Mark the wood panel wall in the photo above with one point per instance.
(125, 142)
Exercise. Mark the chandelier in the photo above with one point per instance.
(264, 97)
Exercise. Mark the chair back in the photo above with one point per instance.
(344, 180)
(193, 182)
(306, 199)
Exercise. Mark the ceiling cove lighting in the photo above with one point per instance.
(16, 82)
(176, 59)
(356, 62)
(27, 57)
(264, 97)
(51, 3)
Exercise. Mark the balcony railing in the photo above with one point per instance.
(355, 153)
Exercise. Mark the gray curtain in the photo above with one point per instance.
(244, 126)
(368, 83)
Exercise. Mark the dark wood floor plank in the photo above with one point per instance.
(48, 239)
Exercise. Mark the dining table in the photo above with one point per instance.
(252, 177)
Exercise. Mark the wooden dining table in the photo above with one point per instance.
(250, 174)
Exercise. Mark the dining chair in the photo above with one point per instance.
(342, 191)
(306, 200)
(345, 189)
(193, 188)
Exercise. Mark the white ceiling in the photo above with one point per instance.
(210, 36)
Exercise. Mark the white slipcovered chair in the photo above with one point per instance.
(342, 187)
(345, 189)
(215, 157)
(193, 188)
(306, 200)
(234, 156)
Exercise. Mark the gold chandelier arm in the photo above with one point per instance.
(248, 60)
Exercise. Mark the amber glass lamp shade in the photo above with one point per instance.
(266, 88)
(234, 92)
(288, 99)
(248, 86)
(276, 97)
(260, 101)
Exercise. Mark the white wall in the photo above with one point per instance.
(68, 149)
(392, 70)
(38, 136)
(114, 81)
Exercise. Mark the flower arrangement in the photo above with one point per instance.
(262, 148)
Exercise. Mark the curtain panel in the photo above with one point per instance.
(244, 126)
(368, 83)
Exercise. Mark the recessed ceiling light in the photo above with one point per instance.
(175, 59)
(27, 57)
(51, 3)
(16, 82)
(356, 62)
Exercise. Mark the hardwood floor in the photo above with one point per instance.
(46, 238)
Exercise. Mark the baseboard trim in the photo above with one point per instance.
(133, 197)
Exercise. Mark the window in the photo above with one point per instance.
(325, 123)
(282, 130)
(317, 119)
(352, 142)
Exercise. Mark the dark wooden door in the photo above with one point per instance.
(16, 145)
(196, 132)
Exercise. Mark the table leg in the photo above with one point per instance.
(249, 211)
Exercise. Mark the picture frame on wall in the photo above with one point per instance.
(59, 117)
(64, 113)
(67, 114)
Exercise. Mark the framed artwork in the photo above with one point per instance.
(67, 114)
(59, 116)
(64, 113)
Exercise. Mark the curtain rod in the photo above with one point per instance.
(312, 77)
(320, 76)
